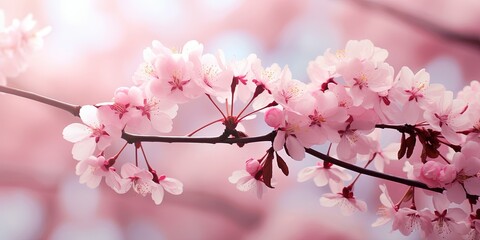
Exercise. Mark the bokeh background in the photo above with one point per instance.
(96, 46)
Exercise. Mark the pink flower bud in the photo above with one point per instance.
(436, 174)
(121, 96)
(274, 117)
(252, 166)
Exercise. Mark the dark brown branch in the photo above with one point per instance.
(132, 138)
(369, 172)
(73, 109)
(400, 128)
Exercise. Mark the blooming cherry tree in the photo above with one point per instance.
(352, 95)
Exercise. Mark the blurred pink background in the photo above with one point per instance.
(96, 46)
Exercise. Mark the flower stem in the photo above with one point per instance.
(216, 106)
(204, 126)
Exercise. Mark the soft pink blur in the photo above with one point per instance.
(95, 47)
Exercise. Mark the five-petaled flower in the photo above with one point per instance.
(89, 135)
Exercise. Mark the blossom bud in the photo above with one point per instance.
(436, 174)
(121, 95)
(274, 117)
(252, 166)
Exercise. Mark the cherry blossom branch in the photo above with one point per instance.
(224, 138)
(73, 109)
(400, 128)
(369, 172)
(132, 138)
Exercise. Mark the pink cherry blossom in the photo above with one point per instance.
(448, 222)
(149, 112)
(467, 166)
(324, 116)
(89, 135)
(93, 169)
(17, 42)
(470, 93)
(388, 210)
(413, 92)
(175, 82)
(267, 77)
(366, 80)
(118, 112)
(473, 115)
(380, 156)
(170, 75)
(320, 72)
(148, 71)
(171, 185)
(354, 138)
(213, 77)
(144, 182)
(139, 179)
(365, 50)
(344, 98)
(474, 222)
(323, 173)
(435, 174)
(245, 180)
(287, 136)
(407, 220)
(242, 72)
(446, 115)
(289, 92)
(274, 117)
(343, 197)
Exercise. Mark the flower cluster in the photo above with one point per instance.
(17, 41)
(352, 95)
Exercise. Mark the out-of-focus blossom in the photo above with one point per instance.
(388, 210)
(17, 42)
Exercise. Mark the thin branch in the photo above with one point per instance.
(73, 109)
(369, 172)
(423, 24)
(401, 128)
(216, 106)
(132, 138)
(204, 126)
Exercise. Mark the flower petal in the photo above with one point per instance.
(83, 149)
(157, 194)
(76, 132)
(89, 115)
(172, 186)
